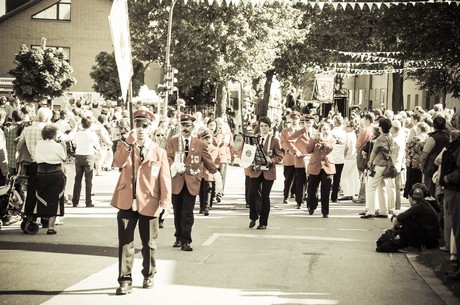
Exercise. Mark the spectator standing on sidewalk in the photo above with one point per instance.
(450, 180)
(26, 145)
(86, 142)
(376, 188)
(394, 185)
(50, 156)
(142, 202)
(338, 155)
(365, 136)
(436, 141)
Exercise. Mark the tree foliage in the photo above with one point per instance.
(41, 73)
(105, 76)
(211, 44)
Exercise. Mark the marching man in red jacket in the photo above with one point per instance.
(141, 199)
(187, 155)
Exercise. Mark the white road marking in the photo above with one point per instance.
(215, 236)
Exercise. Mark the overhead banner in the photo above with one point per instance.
(324, 88)
(119, 27)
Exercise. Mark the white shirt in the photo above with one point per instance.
(49, 151)
(86, 141)
(338, 152)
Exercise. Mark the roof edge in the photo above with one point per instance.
(18, 10)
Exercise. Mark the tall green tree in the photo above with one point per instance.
(105, 76)
(211, 44)
(41, 73)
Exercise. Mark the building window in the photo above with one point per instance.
(416, 100)
(408, 102)
(65, 49)
(58, 11)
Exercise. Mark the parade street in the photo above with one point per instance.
(299, 259)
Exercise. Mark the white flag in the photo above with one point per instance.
(119, 27)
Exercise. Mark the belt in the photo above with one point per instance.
(45, 168)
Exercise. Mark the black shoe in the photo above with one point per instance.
(325, 216)
(285, 201)
(381, 216)
(90, 205)
(75, 205)
(252, 223)
(51, 232)
(311, 211)
(298, 206)
(186, 247)
(367, 216)
(125, 288)
(261, 227)
(206, 212)
(292, 195)
(177, 244)
(201, 211)
(148, 282)
(334, 200)
(161, 225)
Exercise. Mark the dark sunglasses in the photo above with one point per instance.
(159, 135)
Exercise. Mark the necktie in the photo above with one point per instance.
(186, 148)
(262, 141)
(141, 152)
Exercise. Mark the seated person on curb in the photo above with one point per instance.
(419, 224)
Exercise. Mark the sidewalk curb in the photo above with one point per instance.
(432, 280)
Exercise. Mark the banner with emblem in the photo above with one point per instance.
(248, 154)
(323, 90)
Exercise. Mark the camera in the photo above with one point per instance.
(371, 173)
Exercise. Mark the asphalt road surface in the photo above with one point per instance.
(299, 259)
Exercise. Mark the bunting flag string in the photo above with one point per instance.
(336, 5)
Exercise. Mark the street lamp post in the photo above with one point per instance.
(168, 51)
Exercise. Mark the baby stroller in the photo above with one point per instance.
(10, 208)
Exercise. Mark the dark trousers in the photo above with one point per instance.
(31, 198)
(256, 184)
(336, 182)
(183, 204)
(205, 191)
(313, 183)
(300, 178)
(415, 235)
(414, 175)
(83, 165)
(246, 189)
(289, 186)
(148, 232)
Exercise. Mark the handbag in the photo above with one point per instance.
(390, 241)
(390, 170)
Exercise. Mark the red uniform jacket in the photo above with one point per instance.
(198, 157)
(320, 157)
(289, 158)
(214, 152)
(153, 178)
(298, 142)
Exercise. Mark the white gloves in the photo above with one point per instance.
(219, 182)
(177, 168)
